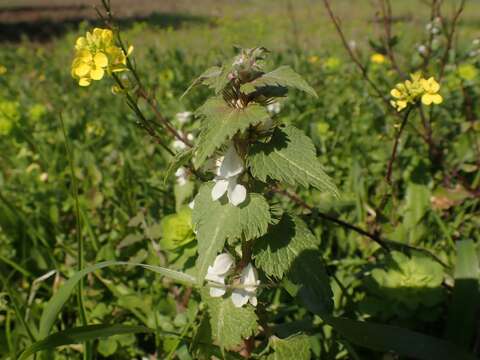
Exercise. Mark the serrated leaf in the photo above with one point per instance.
(308, 272)
(230, 324)
(284, 76)
(218, 221)
(180, 159)
(221, 122)
(289, 157)
(208, 77)
(294, 347)
(276, 251)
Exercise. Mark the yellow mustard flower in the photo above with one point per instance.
(3, 70)
(97, 54)
(431, 95)
(378, 58)
(411, 90)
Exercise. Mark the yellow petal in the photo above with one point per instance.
(437, 98)
(97, 73)
(396, 93)
(130, 50)
(80, 43)
(84, 82)
(100, 60)
(427, 99)
(82, 69)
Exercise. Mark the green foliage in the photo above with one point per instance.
(289, 157)
(284, 76)
(221, 122)
(177, 229)
(216, 222)
(276, 252)
(229, 324)
(293, 347)
(405, 287)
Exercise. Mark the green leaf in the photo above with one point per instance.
(221, 122)
(208, 77)
(180, 159)
(230, 325)
(276, 251)
(289, 157)
(392, 338)
(217, 222)
(81, 334)
(466, 296)
(308, 272)
(294, 347)
(283, 76)
(56, 302)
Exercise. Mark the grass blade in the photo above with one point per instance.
(79, 335)
(55, 304)
(392, 338)
(466, 296)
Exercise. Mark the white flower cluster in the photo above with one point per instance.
(229, 169)
(247, 285)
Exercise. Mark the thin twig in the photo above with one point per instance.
(388, 177)
(386, 8)
(450, 35)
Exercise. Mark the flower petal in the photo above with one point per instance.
(237, 193)
(239, 297)
(97, 74)
(217, 291)
(221, 265)
(232, 164)
(219, 189)
(100, 60)
(84, 81)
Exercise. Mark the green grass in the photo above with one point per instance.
(122, 196)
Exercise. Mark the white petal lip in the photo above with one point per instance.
(236, 193)
(219, 189)
(221, 265)
(232, 164)
(217, 291)
(239, 298)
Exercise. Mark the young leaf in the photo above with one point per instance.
(81, 334)
(289, 157)
(294, 347)
(309, 273)
(208, 77)
(56, 302)
(221, 122)
(180, 159)
(389, 338)
(276, 251)
(466, 295)
(284, 76)
(230, 324)
(217, 221)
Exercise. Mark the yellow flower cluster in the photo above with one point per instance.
(97, 54)
(417, 87)
(378, 58)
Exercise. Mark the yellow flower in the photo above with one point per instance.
(3, 70)
(378, 58)
(431, 88)
(411, 90)
(312, 59)
(97, 54)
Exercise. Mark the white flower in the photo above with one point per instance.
(228, 171)
(183, 117)
(476, 42)
(181, 175)
(274, 108)
(422, 49)
(247, 293)
(217, 274)
(191, 204)
(178, 144)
